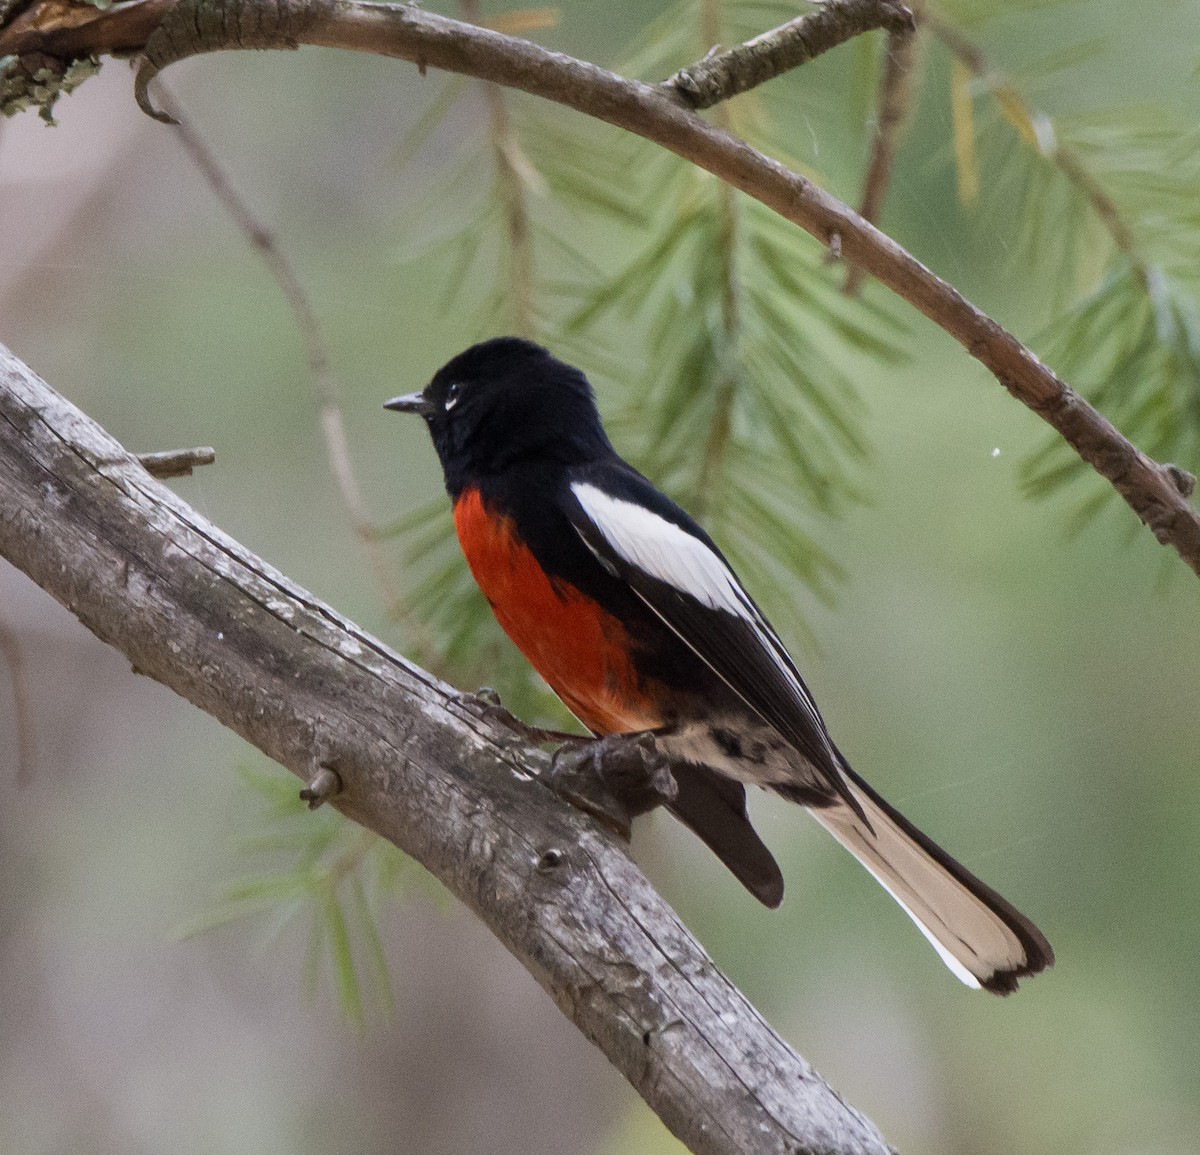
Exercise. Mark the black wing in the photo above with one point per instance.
(677, 570)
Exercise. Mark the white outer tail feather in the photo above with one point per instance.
(981, 938)
(971, 938)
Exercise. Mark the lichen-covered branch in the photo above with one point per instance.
(416, 763)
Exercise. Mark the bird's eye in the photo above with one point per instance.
(452, 396)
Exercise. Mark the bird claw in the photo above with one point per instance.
(614, 779)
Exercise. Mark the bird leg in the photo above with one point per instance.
(614, 779)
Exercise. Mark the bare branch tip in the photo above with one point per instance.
(176, 462)
(1183, 481)
(141, 93)
(322, 786)
(905, 18)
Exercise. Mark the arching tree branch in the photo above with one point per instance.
(408, 33)
(416, 763)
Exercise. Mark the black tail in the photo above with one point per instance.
(714, 807)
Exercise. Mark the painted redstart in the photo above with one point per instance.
(635, 619)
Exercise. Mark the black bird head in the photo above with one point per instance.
(503, 401)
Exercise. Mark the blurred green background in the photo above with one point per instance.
(1024, 692)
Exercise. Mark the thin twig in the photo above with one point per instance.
(722, 75)
(895, 92)
(717, 442)
(515, 174)
(176, 462)
(10, 648)
(333, 428)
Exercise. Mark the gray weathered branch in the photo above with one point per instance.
(191, 608)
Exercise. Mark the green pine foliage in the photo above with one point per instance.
(1128, 338)
(724, 351)
(1134, 344)
(723, 340)
(317, 868)
(1105, 202)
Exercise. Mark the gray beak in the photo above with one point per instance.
(411, 403)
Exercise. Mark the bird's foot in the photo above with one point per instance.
(486, 701)
(613, 779)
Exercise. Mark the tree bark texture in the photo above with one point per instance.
(417, 764)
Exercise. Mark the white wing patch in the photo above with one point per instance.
(664, 551)
(671, 555)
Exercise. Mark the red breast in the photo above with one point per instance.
(581, 650)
